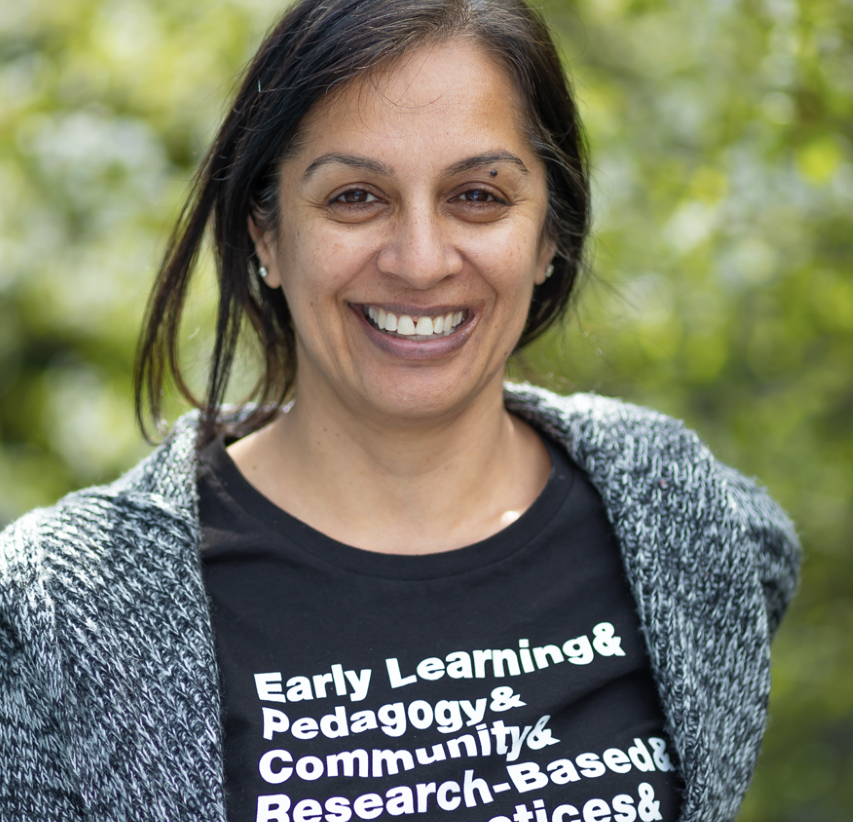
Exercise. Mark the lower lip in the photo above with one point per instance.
(412, 349)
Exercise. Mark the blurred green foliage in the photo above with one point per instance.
(721, 292)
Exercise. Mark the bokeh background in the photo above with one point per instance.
(721, 286)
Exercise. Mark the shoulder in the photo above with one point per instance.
(592, 426)
(92, 589)
(76, 529)
(61, 564)
(610, 438)
(657, 476)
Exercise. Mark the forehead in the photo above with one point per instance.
(436, 102)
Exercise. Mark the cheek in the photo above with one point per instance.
(314, 269)
(334, 256)
(508, 259)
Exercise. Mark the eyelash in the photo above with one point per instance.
(485, 191)
(339, 198)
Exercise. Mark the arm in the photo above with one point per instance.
(35, 780)
(766, 525)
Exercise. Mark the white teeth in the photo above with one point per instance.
(406, 326)
(409, 326)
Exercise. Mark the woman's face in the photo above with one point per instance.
(411, 237)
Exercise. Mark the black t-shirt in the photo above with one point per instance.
(502, 682)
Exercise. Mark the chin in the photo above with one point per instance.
(421, 400)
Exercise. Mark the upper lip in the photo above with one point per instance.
(416, 311)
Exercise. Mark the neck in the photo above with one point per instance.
(398, 486)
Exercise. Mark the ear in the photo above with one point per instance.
(549, 249)
(265, 249)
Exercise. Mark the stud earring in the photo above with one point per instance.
(263, 272)
(549, 270)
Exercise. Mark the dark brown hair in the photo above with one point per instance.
(316, 48)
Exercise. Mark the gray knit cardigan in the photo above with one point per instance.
(109, 695)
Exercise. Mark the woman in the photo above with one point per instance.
(412, 589)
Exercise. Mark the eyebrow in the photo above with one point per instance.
(481, 160)
(359, 163)
(374, 167)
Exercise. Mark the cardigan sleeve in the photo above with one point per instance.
(768, 527)
(35, 780)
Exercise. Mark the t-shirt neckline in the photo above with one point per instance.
(288, 533)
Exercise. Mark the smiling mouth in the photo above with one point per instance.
(415, 328)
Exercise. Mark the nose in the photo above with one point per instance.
(419, 249)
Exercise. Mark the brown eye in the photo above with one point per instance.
(480, 196)
(355, 196)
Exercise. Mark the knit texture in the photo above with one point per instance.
(109, 696)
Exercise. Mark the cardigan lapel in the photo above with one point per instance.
(143, 697)
(693, 577)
